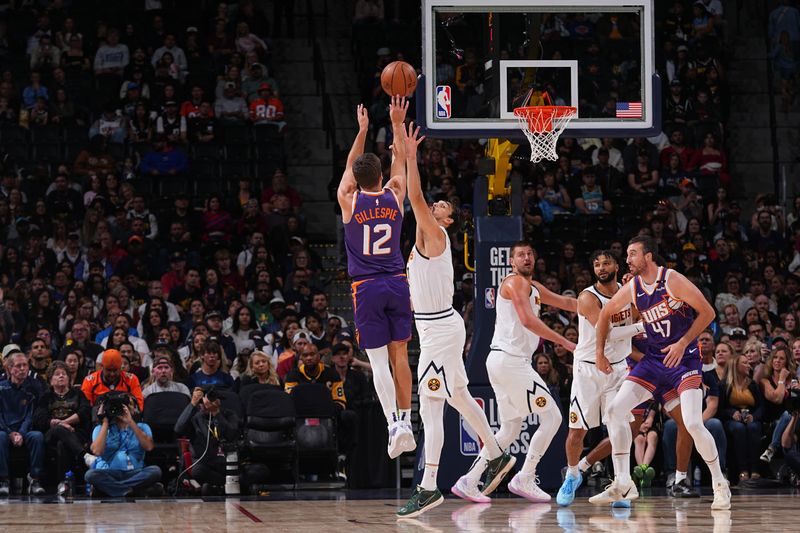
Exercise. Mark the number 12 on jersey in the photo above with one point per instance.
(663, 327)
(375, 237)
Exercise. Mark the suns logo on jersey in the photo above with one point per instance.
(541, 401)
(662, 309)
(573, 417)
(434, 384)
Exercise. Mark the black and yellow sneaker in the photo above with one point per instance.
(496, 470)
(421, 500)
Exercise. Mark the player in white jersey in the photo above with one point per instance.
(441, 374)
(593, 390)
(518, 389)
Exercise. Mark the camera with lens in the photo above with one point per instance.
(114, 404)
(210, 392)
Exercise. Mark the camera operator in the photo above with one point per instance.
(208, 426)
(120, 444)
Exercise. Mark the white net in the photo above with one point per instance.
(542, 126)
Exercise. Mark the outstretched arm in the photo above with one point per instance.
(615, 305)
(397, 114)
(680, 288)
(433, 237)
(556, 300)
(344, 194)
(517, 289)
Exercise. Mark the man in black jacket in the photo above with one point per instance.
(208, 426)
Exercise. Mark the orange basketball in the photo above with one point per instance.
(398, 77)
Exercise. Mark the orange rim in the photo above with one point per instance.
(540, 117)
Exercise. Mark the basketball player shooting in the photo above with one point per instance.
(593, 390)
(441, 373)
(518, 389)
(372, 214)
(674, 312)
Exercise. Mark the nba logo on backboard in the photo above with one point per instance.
(442, 101)
(470, 442)
(488, 300)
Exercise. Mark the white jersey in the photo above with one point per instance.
(587, 334)
(510, 336)
(430, 280)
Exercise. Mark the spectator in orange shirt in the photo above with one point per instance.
(267, 109)
(111, 377)
(191, 108)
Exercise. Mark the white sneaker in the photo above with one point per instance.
(615, 492)
(527, 486)
(722, 496)
(468, 490)
(89, 459)
(401, 439)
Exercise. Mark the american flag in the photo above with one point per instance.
(629, 110)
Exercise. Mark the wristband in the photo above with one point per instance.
(781, 382)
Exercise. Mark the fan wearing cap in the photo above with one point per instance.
(267, 108)
(161, 378)
(231, 106)
(288, 359)
(171, 124)
(257, 76)
(111, 378)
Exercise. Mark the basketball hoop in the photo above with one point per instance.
(542, 125)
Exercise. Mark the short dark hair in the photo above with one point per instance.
(455, 215)
(597, 253)
(649, 244)
(521, 244)
(367, 170)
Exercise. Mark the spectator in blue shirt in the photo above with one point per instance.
(19, 394)
(210, 372)
(120, 445)
(33, 91)
(164, 160)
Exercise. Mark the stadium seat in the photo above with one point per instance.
(236, 134)
(237, 152)
(205, 151)
(315, 428)
(45, 134)
(161, 412)
(269, 428)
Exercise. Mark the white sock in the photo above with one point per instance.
(549, 421)
(584, 465)
(429, 477)
(692, 412)
(405, 416)
(383, 381)
(679, 476)
(573, 471)
(622, 464)
(476, 418)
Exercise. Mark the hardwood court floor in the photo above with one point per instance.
(342, 513)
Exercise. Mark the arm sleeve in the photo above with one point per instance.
(183, 426)
(620, 333)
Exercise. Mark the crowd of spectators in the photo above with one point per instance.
(676, 187)
(107, 285)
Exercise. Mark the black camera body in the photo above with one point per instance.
(114, 404)
(210, 392)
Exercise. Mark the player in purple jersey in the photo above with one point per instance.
(674, 312)
(372, 214)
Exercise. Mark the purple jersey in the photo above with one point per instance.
(372, 237)
(666, 318)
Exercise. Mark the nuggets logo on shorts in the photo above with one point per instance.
(573, 417)
(540, 401)
(434, 384)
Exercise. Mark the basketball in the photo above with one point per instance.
(398, 77)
